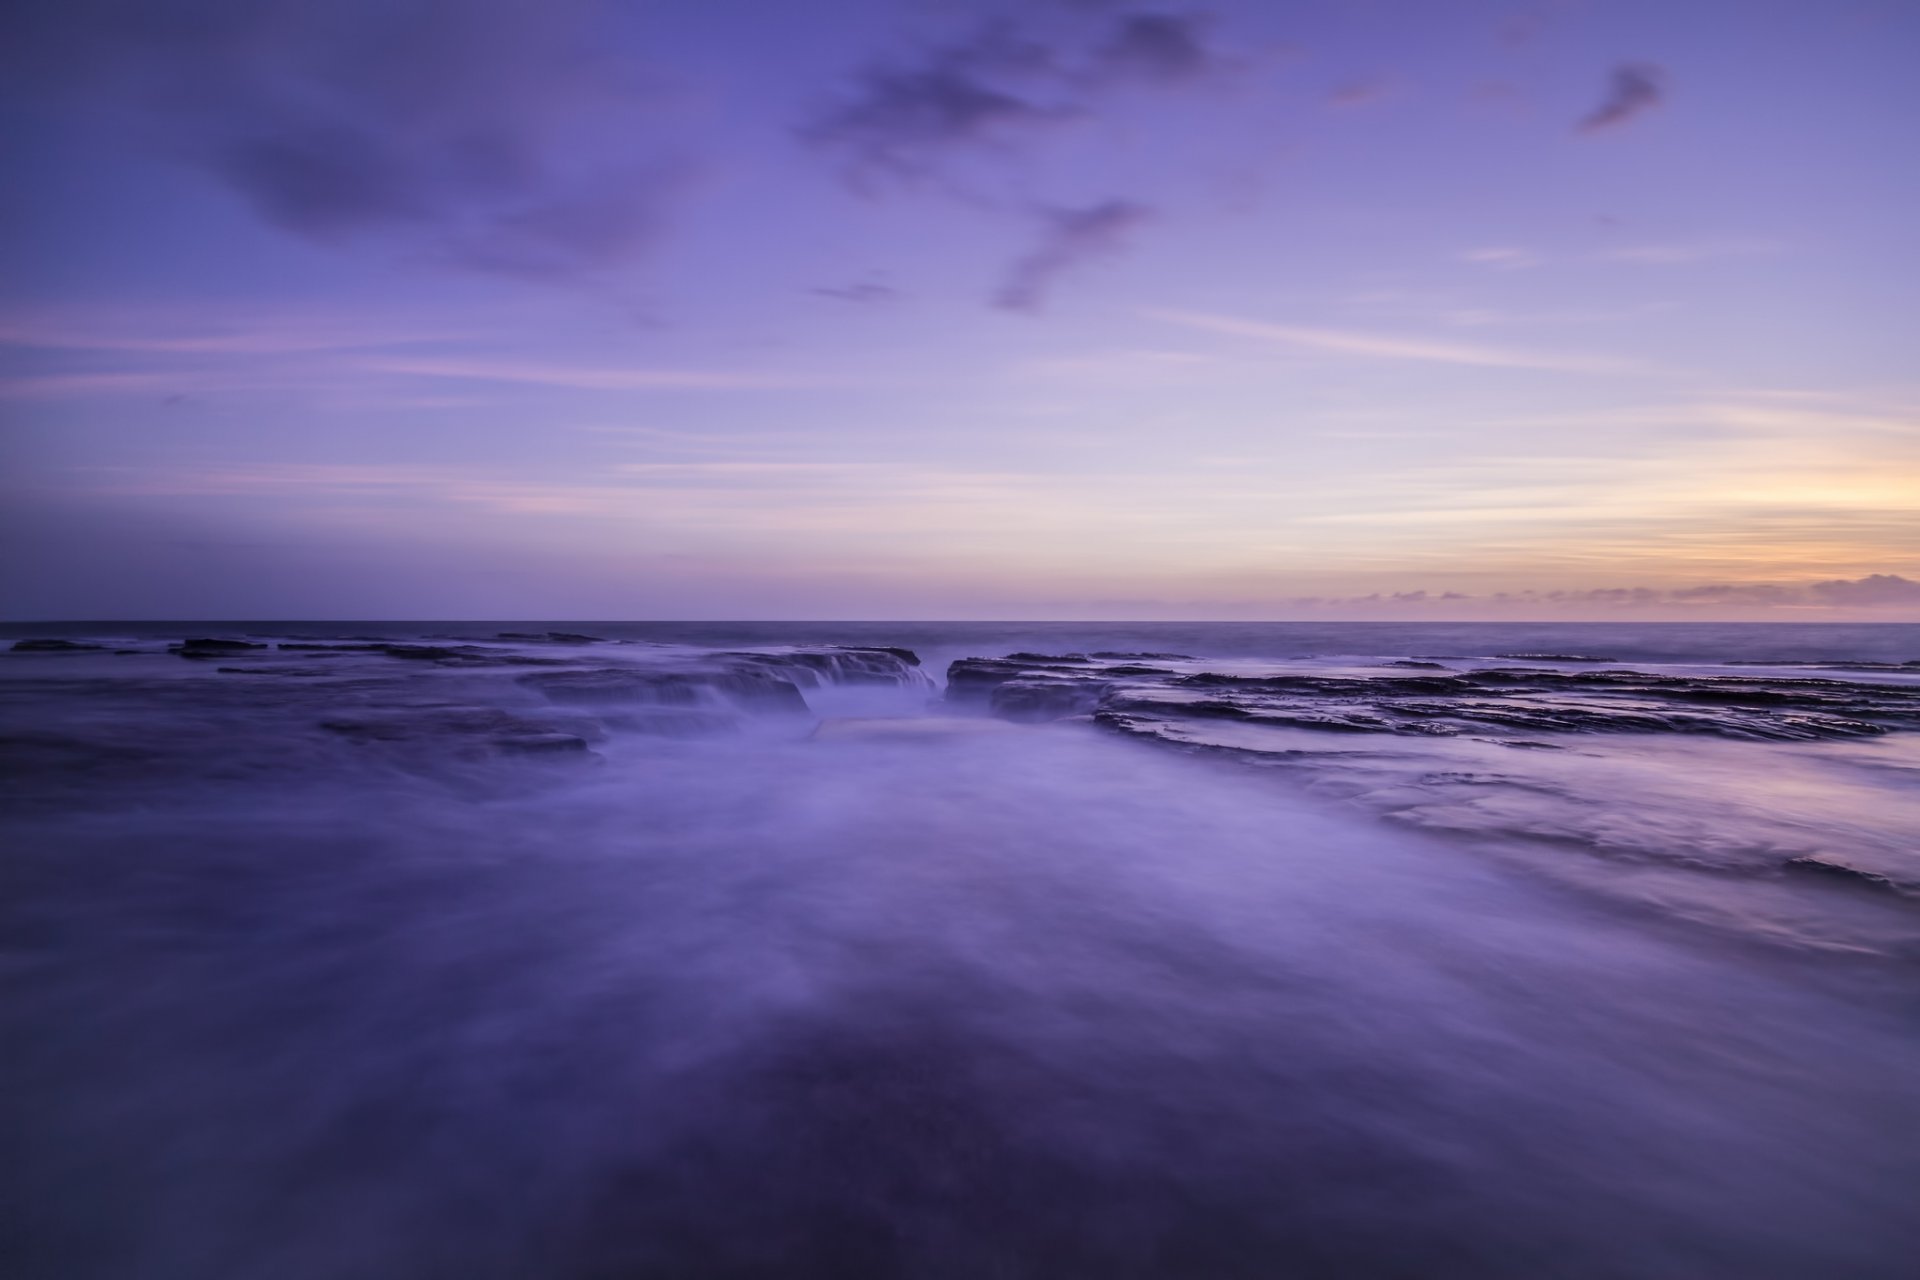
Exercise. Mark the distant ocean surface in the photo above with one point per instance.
(1629, 641)
(596, 950)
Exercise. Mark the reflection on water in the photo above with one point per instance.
(921, 996)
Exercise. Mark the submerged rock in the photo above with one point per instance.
(1553, 657)
(423, 652)
(1841, 873)
(975, 679)
(541, 743)
(852, 665)
(1031, 701)
(749, 690)
(53, 646)
(554, 637)
(213, 648)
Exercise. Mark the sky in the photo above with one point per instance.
(957, 309)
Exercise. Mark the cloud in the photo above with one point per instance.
(586, 378)
(1635, 88)
(183, 332)
(898, 121)
(1392, 347)
(1071, 236)
(1359, 93)
(1161, 48)
(860, 291)
(467, 131)
(1874, 591)
(1701, 251)
(1506, 259)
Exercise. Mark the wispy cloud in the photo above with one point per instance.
(1360, 93)
(1505, 258)
(1391, 346)
(1888, 592)
(191, 334)
(1694, 251)
(589, 378)
(1633, 89)
(860, 291)
(1069, 237)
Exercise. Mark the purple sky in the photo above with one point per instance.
(731, 309)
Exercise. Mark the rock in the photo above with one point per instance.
(752, 690)
(1411, 664)
(553, 637)
(212, 648)
(974, 679)
(1840, 873)
(907, 656)
(53, 646)
(1553, 657)
(1034, 700)
(909, 729)
(866, 665)
(455, 724)
(420, 652)
(541, 743)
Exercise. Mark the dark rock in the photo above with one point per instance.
(541, 743)
(1840, 873)
(864, 665)
(212, 648)
(1156, 657)
(1553, 657)
(422, 652)
(759, 691)
(450, 723)
(1425, 698)
(554, 637)
(907, 656)
(973, 679)
(329, 648)
(1031, 701)
(53, 646)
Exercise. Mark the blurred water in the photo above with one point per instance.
(908, 995)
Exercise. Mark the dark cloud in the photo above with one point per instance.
(897, 121)
(467, 128)
(1635, 87)
(1161, 47)
(1071, 236)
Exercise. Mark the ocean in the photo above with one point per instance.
(579, 949)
